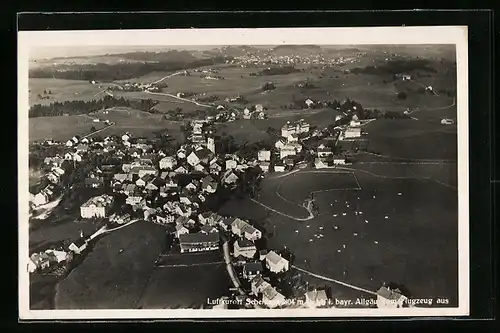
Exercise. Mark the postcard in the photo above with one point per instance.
(243, 173)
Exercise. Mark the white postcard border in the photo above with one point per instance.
(274, 36)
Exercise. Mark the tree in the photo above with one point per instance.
(93, 129)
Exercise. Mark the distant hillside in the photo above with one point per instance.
(145, 63)
(167, 56)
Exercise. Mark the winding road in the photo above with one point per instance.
(179, 98)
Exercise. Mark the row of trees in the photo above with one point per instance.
(85, 107)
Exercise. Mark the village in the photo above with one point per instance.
(178, 188)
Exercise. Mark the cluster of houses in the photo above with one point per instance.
(259, 59)
(41, 261)
(251, 260)
(45, 196)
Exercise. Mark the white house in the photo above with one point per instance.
(245, 248)
(230, 177)
(96, 206)
(40, 199)
(258, 285)
(287, 151)
(181, 170)
(264, 155)
(280, 143)
(279, 168)
(78, 246)
(251, 233)
(181, 230)
(352, 133)
(264, 166)
(181, 153)
(447, 121)
(316, 298)
(276, 263)
(231, 164)
(193, 159)
(324, 151)
(168, 162)
(309, 103)
(337, 160)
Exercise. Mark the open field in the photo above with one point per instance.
(60, 127)
(420, 223)
(199, 283)
(137, 122)
(62, 90)
(298, 186)
(412, 139)
(108, 279)
(42, 290)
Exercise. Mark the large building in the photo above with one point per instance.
(198, 242)
(352, 133)
(296, 128)
(96, 207)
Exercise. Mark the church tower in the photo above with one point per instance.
(211, 144)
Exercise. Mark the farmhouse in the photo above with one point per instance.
(276, 263)
(245, 248)
(309, 103)
(198, 242)
(96, 206)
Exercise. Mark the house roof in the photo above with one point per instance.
(199, 237)
(80, 242)
(274, 257)
(120, 176)
(244, 243)
(269, 292)
(253, 267)
(249, 229)
(258, 282)
(179, 226)
(207, 228)
(239, 223)
(147, 178)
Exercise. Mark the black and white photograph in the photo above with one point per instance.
(213, 173)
